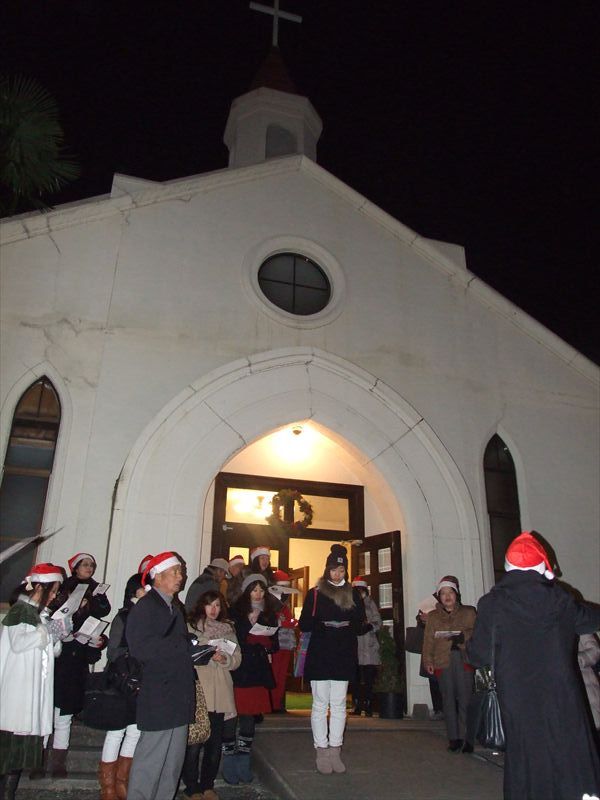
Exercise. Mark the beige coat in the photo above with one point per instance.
(214, 677)
(436, 652)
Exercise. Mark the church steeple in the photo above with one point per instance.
(271, 119)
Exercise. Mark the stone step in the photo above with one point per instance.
(78, 784)
(82, 758)
(81, 735)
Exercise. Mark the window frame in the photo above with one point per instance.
(325, 260)
(295, 283)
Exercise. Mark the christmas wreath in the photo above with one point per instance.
(282, 499)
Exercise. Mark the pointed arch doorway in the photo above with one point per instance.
(338, 512)
(346, 500)
(164, 494)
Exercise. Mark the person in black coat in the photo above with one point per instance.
(72, 667)
(157, 636)
(120, 743)
(253, 679)
(550, 751)
(334, 615)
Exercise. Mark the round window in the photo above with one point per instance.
(294, 283)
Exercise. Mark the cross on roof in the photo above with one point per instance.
(277, 15)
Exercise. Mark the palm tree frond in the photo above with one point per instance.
(32, 158)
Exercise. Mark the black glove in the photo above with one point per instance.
(459, 639)
(201, 653)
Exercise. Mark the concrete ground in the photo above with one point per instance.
(386, 760)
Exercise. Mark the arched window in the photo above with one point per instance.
(502, 499)
(27, 470)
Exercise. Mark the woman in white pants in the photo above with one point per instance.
(119, 745)
(334, 614)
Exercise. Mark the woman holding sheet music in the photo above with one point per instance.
(447, 629)
(334, 615)
(256, 628)
(72, 667)
(28, 645)
(208, 622)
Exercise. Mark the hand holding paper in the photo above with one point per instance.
(263, 630)
(224, 645)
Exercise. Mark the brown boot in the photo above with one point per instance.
(323, 762)
(123, 768)
(58, 760)
(337, 765)
(107, 772)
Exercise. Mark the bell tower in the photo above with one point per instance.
(271, 119)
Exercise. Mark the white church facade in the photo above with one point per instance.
(177, 356)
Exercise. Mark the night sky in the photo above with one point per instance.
(471, 122)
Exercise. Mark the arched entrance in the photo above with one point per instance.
(161, 500)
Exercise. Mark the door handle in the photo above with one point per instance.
(227, 527)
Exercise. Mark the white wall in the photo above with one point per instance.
(129, 302)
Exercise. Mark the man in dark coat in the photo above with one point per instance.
(157, 637)
(550, 751)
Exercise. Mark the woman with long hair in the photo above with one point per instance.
(28, 645)
(253, 679)
(334, 614)
(260, 564)
(208, 622)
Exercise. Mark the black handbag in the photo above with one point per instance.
(413, 640)
(490, 730)
(104, 707)
(125, 675)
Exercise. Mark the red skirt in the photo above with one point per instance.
(254, 700)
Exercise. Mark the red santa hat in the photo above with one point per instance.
(360, 583)
(144, 563)
(43, 573)
(282, 586)
(281, 578)
(524, 553)
(237, 561)
(74, 560)
(157, 564)
(261, 550)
